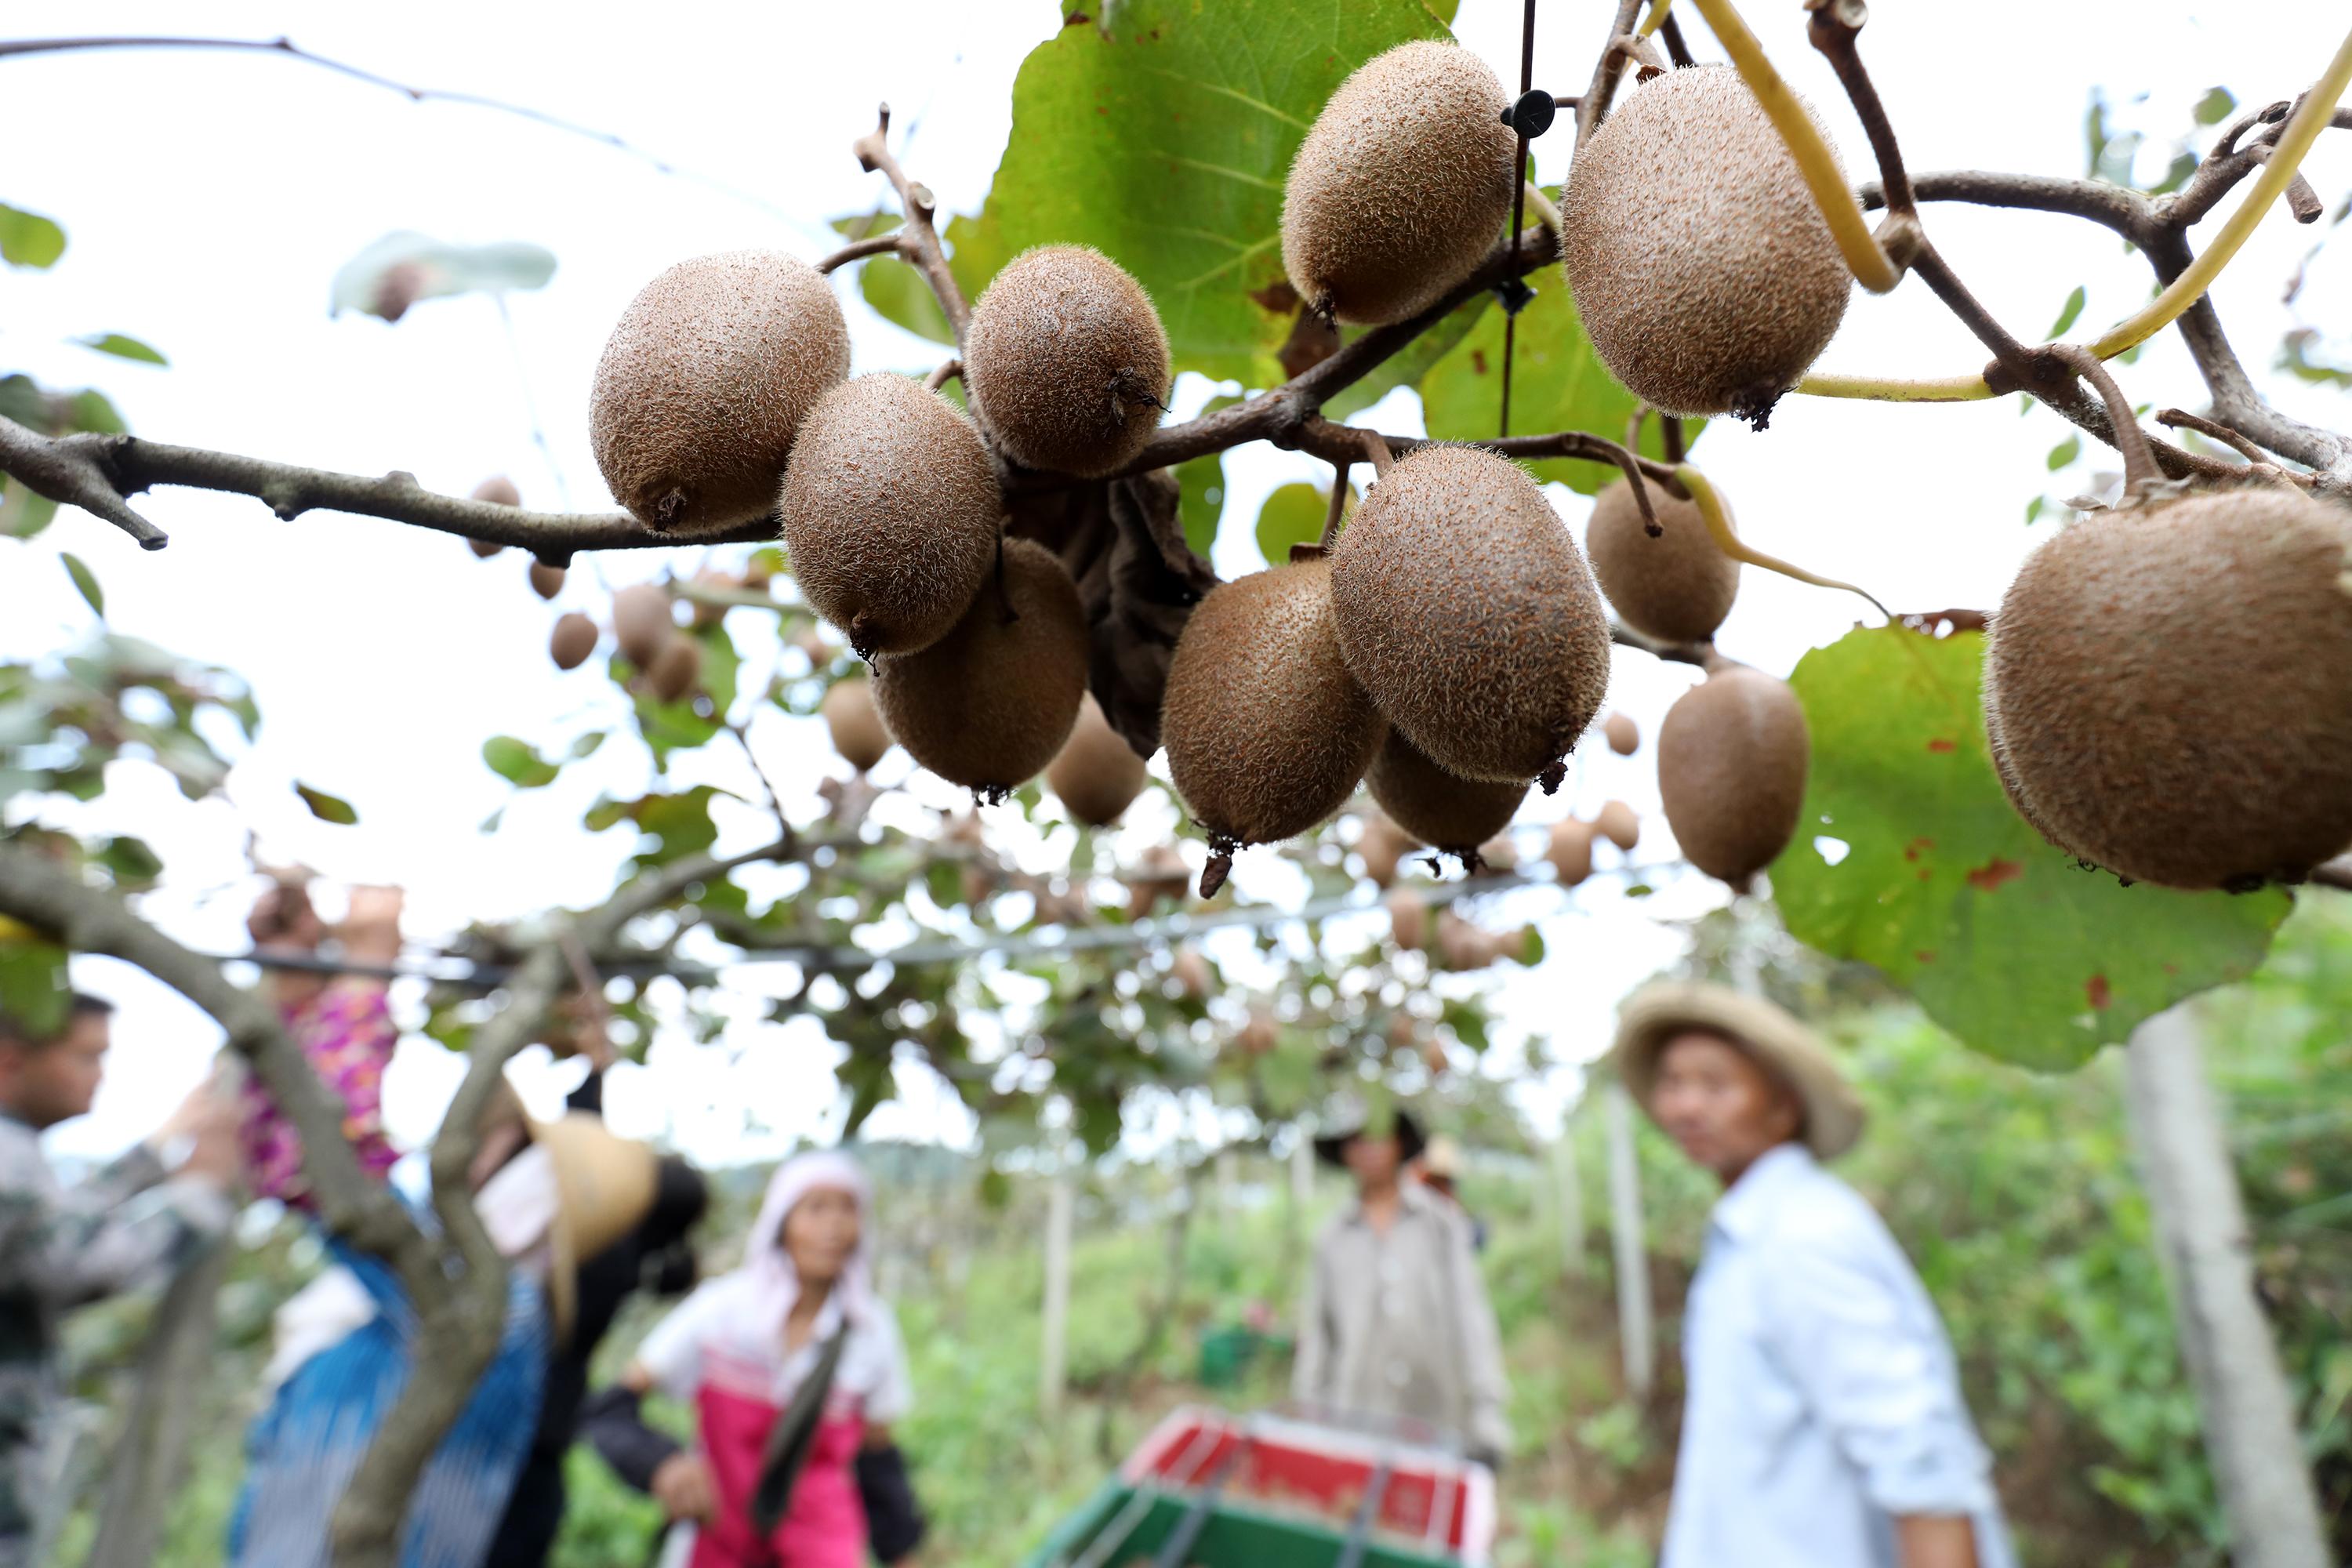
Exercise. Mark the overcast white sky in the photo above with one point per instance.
(209, 198)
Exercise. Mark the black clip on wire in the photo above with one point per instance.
(1531, 116)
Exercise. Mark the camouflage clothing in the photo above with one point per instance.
(60, 1247)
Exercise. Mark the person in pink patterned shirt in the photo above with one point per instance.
(341, 1022)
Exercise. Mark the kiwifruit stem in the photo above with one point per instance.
(1655, 19)
(948, 371)
(2139, 457)
(1338, 504)
(1718, 525)
(1376, 451)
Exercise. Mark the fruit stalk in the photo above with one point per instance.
(1718, 524)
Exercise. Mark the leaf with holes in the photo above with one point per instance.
(1160, 132)
(1908, 857)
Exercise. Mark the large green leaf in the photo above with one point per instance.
(1557, 382)
(2004, 940)
(1161, 133)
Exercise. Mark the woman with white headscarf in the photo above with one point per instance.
(796, 1371)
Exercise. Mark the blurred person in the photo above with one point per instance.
(796, 1373)
(1396, 1323)
(1439, 1169)
(132, 1224)
(1823, 1424)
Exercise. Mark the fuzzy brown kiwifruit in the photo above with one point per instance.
(2172, 684)
(573, 639)
(851, 720)
(642, 623)
(498, 491)
(1258, 1036)
(1732, 757)
(1401, 186)
(1452, 815)
(1616, 822)
(705, 383)
(1408, 919)
(990, 703)
(1383, 847)
(546, 581)
(1067, 361)
(1703, 270)
(1570, 851)
(1464, 608)
(1624, 736)
(890, 512)
(1190, 973)
(1267, 732)
(1676, 587)
(675, 669)
(1097, 774)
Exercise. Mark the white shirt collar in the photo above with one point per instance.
(1744, 1207)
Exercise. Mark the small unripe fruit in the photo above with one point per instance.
(1401, 186)
(498, 491)
(1676, 587)
(890, 512)
(546, 581)
(675, 669)
(1624, 735)
(573, 640)
(1570, 851)
(1616, 823)
(851, 719)
(703, 385)
(1703, 270)
(1097, 775)
(642, 623)
(1732, 758)
(1067, 361)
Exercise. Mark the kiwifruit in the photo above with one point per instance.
(1464, 608)
(1408, 919)
(890, 511)
(546, 581)
(1676, 587)
(675, 669)
(1499, 855)
(1267, 734)
(1703, 270)
(856, 727)
(1161, 874)
(2169, 683)
(1616, 822)
(814, 647)
(705, 383)
(1452, 815)
(1570, 851)
(1401, 186)
(704, 614)
(1067, 361)
(1258, 1036)
(1462, 945)
(1732, 757)
(1190, 973)
(573, 640)
(1097, 774)
(500, 490)
(642, 623)
(990, 703)
(1624, 735)
(1383, 847)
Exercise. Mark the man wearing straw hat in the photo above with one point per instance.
(1823, 1424)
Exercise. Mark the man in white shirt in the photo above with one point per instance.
(1823, 1426)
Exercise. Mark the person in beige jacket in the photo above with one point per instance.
(1396, 1324)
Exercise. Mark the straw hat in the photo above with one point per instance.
(604, 1187)
(1347, 1116)
(1441, 1158)
(1657, 1013)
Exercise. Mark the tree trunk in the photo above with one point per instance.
(1633, 1325)
(2251, 1435)
(149, 1460)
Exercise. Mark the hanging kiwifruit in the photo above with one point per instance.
(1677, 586)
(1190, 973)
(1452, 815)
(1464, 608)
(1066, 361)
(851, 720)
(675, 669)
(546, 581)
(704, 383)
(1703, 270)
(1408, 919)
(1267, 734)
(642, 623)
(1401, 186)
(1570, 851)
(2171, 683)
(990, 703)
(1383, 847)
(1616, 822)
(1732, 757)
(573, 639)
(890, 512)
(1097, 774)
(498, 491)
(1624, 736)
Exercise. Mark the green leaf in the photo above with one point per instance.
(585, 746)
(2033, 510)
(2215, 106)
(404, 267)
(122, 347)
(515, 761)
(23, 514)
(29, 239)
(1201, 488)
(2002, 939)
(894, 291)
(2064, 452)
(85, 583)
(1557, 382)
(1406, 368)
(33, 990)
(2073, 308)
(132, 862)
(1160, 131)
(91, 411)
(327, 808)
(1292, 515)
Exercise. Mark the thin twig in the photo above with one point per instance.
(1376, 451)
(945, 372)
(1338, 507)
(1699, 654)
(2139, 458)
(1593, 107)
(2181, 419)
(921, 239)
(859, 249)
